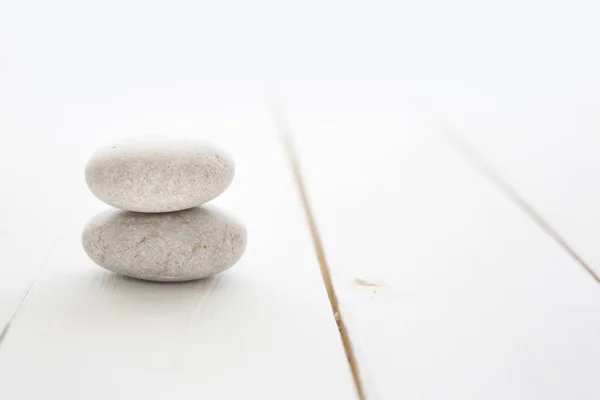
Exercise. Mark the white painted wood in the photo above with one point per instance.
(263, 329)
(448, 290)
(23, 257)
(552, 163)
(529, 105)
(67, 66)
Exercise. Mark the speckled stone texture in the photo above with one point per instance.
(158, 174)
(178, 246)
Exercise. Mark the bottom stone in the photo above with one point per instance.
(176, 246)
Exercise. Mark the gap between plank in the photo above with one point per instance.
(12, 318)
(287, 137)
(485, 168)
(4, 332)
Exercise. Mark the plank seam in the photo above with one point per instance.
(464, 148)
(12, 318)
(286, 135)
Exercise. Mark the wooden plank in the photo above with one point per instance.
(448, 290)
(264, 329)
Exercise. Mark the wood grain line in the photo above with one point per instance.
(286, 135)
(486, 169)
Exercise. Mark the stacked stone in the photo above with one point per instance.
(161, 229)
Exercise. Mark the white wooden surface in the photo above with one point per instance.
(19, 269)
(262, 330)
(448, 290)
(554, 168)
(521, 85)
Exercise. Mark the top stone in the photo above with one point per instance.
(158, 174)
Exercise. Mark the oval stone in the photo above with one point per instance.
(178, 246)
(158, 174)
